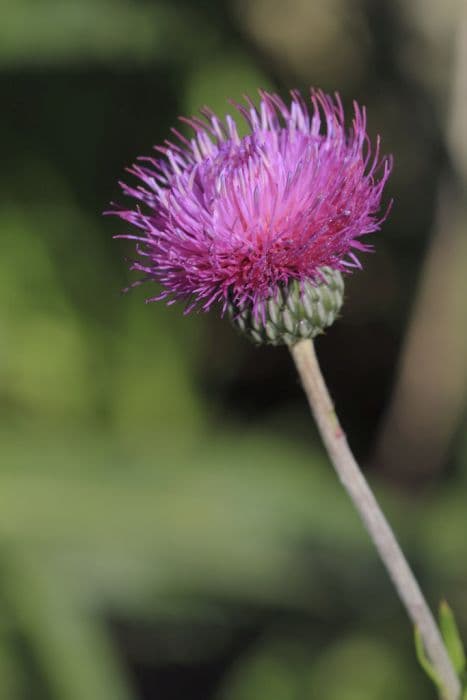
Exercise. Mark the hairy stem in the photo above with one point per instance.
(372, 516)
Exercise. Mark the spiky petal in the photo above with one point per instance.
(230, 219)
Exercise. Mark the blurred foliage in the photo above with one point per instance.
(169, 526)
(49, 31)
(283, 671)
(454, 646)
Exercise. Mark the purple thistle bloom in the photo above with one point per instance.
(228, 218)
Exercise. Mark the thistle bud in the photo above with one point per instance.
(295, 311)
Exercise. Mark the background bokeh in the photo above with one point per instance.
(170, 527)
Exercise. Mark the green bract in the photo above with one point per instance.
(296, 311)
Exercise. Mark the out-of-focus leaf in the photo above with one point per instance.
(424, 660)
(50, 31)
(227, 78)
(12, 681)
(452, 637)
(229, 512)
(362, 666)
(352, 668)
(73, 653)
(53, 363)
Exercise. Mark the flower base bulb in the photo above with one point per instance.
(298, 310)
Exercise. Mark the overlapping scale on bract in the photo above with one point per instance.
(296, 311)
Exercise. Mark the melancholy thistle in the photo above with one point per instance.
(263, 225)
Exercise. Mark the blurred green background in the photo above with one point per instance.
(170, 527)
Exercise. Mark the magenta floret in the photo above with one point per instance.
(223, 217)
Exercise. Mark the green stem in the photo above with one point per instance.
(372, 516)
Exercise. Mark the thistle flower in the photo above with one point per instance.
(264, 225)
(238, 221)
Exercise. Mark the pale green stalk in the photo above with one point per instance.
(372, 516)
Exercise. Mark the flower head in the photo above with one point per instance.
(224, 218)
